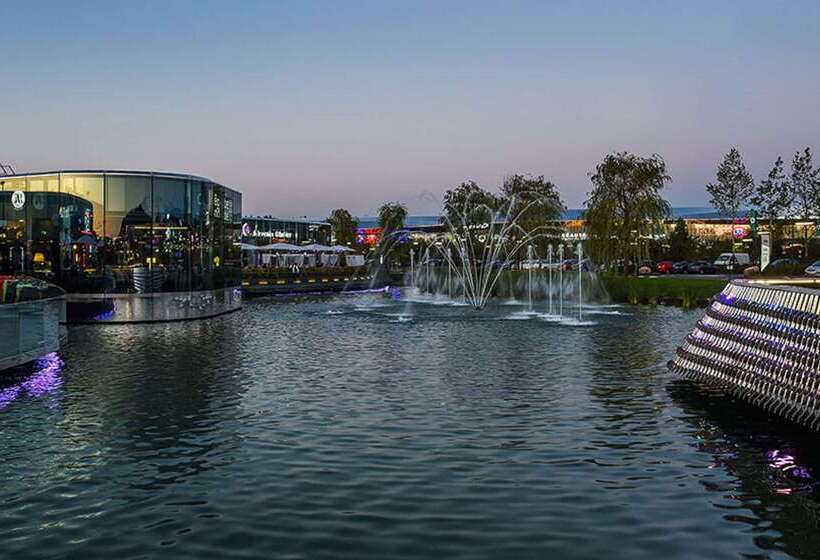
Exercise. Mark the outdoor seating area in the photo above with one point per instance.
(298, 257)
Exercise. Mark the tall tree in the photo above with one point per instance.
(392, 216)
(681, 244)
(625, 204)
(734, 186)
(535, 204)
(773, 198)
(469, 204)
(343, 226)
(805, 183)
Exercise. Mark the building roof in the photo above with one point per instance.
(111, 172)
(291, 220)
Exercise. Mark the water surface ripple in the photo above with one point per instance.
(361, 427)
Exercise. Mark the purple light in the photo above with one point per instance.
(45, 380)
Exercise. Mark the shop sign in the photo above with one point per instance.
(18, 200)
(740, 231)
(765, 250)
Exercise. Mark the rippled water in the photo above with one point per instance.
(361, 427)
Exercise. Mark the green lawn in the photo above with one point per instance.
(686, 292)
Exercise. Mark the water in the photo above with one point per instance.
(365, 427)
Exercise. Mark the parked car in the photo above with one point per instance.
(665, 267)
(701, 267)
(732, 261)
(783, 267)
(568, 264)
(813, 269)
(680, 267)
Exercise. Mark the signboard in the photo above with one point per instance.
(18, 200)
(765, 249)
(368, 236)
(753, 221)
(740, 231)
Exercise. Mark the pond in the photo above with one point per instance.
(370, 427)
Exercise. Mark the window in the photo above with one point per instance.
(128, 228)
(172, 241)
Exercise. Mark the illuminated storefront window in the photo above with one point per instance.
(112, 232)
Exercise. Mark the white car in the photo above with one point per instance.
(813, 269)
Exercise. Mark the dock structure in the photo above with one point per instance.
(760, 342)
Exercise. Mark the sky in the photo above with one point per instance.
(309, 106)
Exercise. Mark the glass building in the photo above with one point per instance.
(122, 233)
(265, 230)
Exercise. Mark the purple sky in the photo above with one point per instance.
(308, 106)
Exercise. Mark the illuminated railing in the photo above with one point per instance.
(762, 343)
(29, 330)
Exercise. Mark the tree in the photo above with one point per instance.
(392, 216)
(469, 204)
(625, 204)
(773, 198)
(805, 183)
(535, 204)
(343, 225)
(681, 244)
(734, 186)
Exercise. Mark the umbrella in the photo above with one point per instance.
(341, 249)
(280, 247)
(315, 248)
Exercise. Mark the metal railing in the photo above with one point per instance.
(30, 329)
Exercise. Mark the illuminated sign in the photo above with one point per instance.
(741, 230)
(253, 231)
(18, 200)
(369, 236)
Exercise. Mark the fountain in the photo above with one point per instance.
(480, 246)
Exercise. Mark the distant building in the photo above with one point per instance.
(266, 230)
(126, 245)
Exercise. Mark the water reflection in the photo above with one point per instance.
(321, 428)
(773, 466)
(45, 379)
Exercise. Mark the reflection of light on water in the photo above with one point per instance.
(45, 380)
(785, 462)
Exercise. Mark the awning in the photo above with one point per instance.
(341, 249)
(316, 248)
(280, 247)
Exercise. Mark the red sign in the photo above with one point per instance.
(369, 236)
(741, 231)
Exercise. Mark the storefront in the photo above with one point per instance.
(265, 230)
(115, 239)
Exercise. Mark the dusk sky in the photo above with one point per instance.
(307, 106)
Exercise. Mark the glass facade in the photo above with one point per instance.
(121, 232)
(265, 231)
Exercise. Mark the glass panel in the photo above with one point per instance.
(13, 234)
(128, 217)
(47, 183)
(172, 250)
(81, 218)
(18, 184)
(201, 232)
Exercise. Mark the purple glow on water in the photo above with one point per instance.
(45, 380)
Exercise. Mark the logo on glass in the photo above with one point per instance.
(18, 199)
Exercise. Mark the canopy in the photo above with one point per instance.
(341, 249)
(280, 247)
(315, 248)
(249, 247)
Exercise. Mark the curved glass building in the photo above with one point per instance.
(125, 245)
